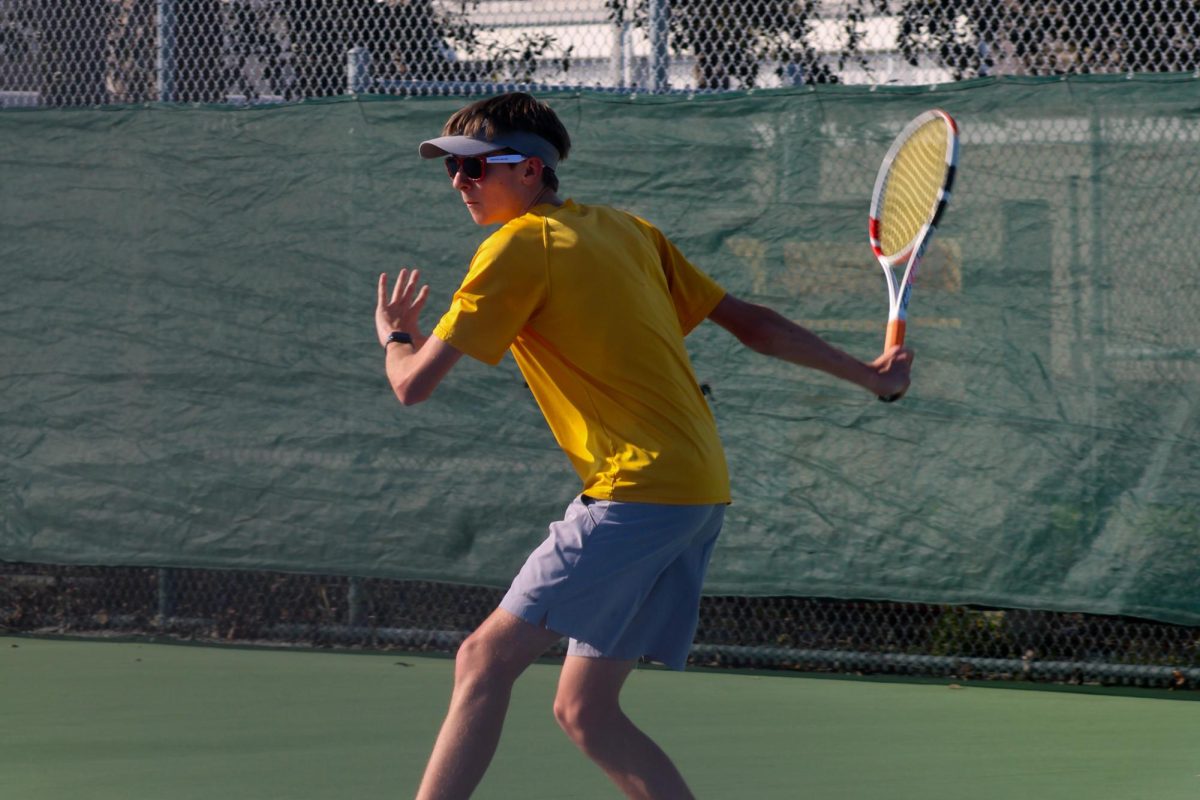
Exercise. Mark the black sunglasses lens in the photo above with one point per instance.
(472, 168)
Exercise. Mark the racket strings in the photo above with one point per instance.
(913, 186)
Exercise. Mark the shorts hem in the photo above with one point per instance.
(526, 609)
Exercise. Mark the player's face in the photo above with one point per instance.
(503, 193)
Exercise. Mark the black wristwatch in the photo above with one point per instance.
(398, 336)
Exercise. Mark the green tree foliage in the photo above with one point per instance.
(1050, 37)
(408, 40)
(132, 52)
(91, 52)
(731, 39)
(70, 39)
(85, 52)
(17, 46)
(405, 40)
(198, 52)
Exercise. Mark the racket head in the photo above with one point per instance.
(913, 185)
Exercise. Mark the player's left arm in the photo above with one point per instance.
(766, 331)
(414, 369)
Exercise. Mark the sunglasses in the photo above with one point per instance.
(473, 168)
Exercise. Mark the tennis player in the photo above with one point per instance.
(594, 304)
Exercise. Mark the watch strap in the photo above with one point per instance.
(398, 336)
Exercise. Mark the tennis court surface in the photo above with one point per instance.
(103, 719)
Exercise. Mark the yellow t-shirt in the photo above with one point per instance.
(594, 304)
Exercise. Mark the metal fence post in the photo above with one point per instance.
(166, 595)
(660, 58)
(356, 602)
(165, 57)
(620, 33)
(358, 70)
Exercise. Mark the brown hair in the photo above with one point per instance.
(508, 113)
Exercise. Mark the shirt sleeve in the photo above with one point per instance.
(693, 292)
(504, 287)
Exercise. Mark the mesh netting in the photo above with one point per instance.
(87, 52)
(812, 634)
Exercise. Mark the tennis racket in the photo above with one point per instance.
(911, 192)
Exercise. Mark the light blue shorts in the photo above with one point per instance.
(621, 580)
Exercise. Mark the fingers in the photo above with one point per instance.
(894, 355)
(893, 368)
(402, 292)
(399, 286)
(419, 302)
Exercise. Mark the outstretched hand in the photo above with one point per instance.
(402, 312)
(892, 370)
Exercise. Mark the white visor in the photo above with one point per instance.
(527, 144)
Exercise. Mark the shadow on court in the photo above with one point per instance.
(132, 721)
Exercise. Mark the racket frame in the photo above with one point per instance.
(912, 254)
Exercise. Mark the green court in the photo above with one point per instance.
(100, 720)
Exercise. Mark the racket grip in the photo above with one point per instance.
(895, 338)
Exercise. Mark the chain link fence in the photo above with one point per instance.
(95, 52)
(57, 53)
(790, 633)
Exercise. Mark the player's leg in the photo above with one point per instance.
(488, 663)
(588, 708)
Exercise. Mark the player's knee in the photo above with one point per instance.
(568, 715)
(473, 663)
(582, 718)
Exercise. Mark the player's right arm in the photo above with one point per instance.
(414, 374)
(766, 331)
(414, 369)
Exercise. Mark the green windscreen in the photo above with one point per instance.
(189, 374)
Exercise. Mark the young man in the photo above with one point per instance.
(594, 304)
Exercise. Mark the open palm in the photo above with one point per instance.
(403, 310)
